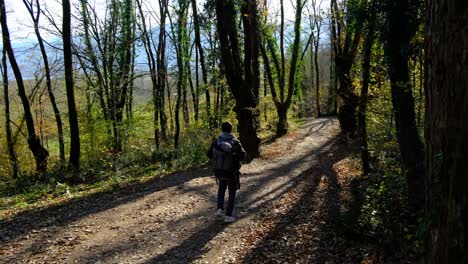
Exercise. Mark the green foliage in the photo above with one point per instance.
(385, 215)
(102, 168)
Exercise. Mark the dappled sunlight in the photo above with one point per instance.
(172, 218)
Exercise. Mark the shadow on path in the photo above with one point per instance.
(305, 234)
(195, 245)
(75, 209)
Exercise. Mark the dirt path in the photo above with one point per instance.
(171, 219)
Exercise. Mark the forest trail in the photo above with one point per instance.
(171, 219)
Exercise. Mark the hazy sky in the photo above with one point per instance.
(20, 23)
(23, 38)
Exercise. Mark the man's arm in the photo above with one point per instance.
(241, 152)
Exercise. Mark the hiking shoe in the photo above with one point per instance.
(219, 213)
(229, 219)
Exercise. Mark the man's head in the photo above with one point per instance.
(226, 127)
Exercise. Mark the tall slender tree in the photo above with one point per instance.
(182, 47)
(333, 83)
(152, 65)
(201, 56)
(401, 23)
(284, 101)
(34, 10)
(446, 86)
(243, 81)
(68, 61)
(109, 46)
(11, 149)
(161, 66)
(316, 43)
(346, 35)
(39, 152)
(366, 71)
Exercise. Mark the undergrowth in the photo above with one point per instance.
(102, 170)
(138, 165)
(383, 216)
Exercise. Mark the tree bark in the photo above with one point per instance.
(39, 152)
(317, 81)
(72, 113)
(345, 48)
(196, 25)
(185, 104)
(243, 83)
(182, 61)
(316, 41)
(162, 68)
(331, 100)
(193, 92)
(421, 86)
(10, 144)
(446, 130)
(411, 147)
(362, 114)
(282, 126)
(197, 86)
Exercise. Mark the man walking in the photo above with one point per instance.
(226, 153)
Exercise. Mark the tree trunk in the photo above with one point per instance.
(222, 106)
(170, 105)
(153, 65)
(265, 94)
(248, 119)
(39, 152)
(177, 117)
(101, 76)
(58, 118)
(317, 69)
(113, 41)
(421, 86)
(331, 100)
(317, 83)
(182, 61)
(312, 77)
(411, 147)
(162, 69)
(185, 106)
(217, 115)
(446, 130)
(11, 148)
(283, 103)
(282, 125)
(129, 100)
(349, 101)
(245, 90)
(72, 113)
(345, 48)
(362, 114)
(196, 25)
(195, 90)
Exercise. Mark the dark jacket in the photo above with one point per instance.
(237, 151)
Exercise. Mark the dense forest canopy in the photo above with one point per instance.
(90, 88)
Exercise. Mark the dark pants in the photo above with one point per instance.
(231, 185)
